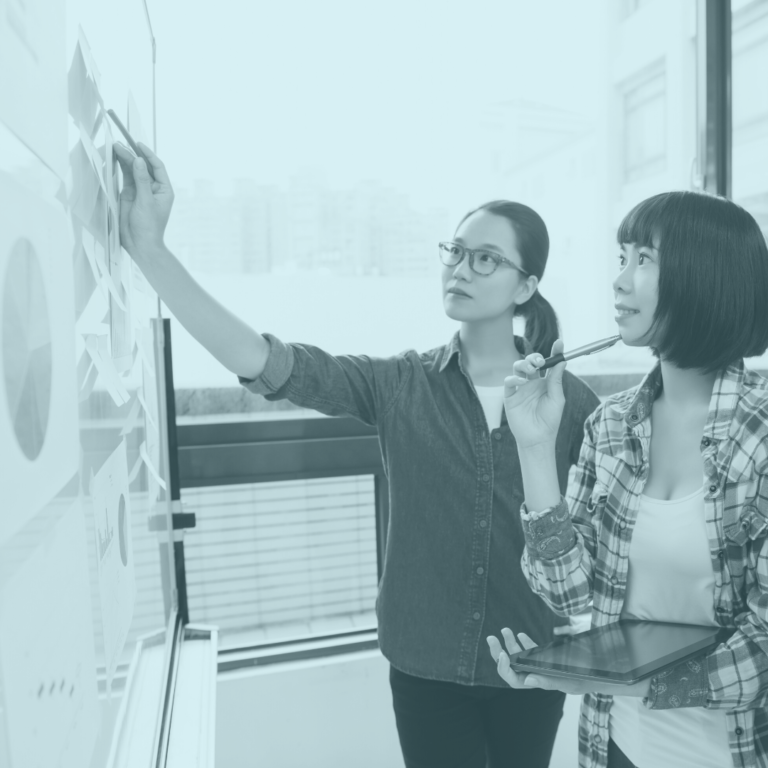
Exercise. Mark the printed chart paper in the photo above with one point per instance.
(114, 554)
(47, 652)
(38, 386)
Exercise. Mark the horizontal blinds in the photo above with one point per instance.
(267, 555)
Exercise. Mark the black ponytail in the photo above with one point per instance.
(541, 326)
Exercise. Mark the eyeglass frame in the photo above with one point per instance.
(498, 258)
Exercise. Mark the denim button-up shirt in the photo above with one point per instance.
(452, 572)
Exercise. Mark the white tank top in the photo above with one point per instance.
(670, 579)
(492, 400)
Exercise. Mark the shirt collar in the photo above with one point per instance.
(454, 348)
(722, 405)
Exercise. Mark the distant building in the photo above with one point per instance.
(750, 107)
(307, 227)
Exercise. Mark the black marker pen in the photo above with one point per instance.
(589, 349)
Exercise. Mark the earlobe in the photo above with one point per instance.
(531, 286)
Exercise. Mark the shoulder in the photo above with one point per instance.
(750, 423)
(753, 398)
(430, 359)
(605, 426)
(580, 398)
(574, 386)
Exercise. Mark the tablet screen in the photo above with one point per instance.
(622, 652)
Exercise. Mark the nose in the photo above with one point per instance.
(462, 270)
(623, 281)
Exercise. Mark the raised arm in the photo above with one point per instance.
(145, 207)
(560, 546)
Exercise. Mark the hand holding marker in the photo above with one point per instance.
(589, 349)
(131, 143)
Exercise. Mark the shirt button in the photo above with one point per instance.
(623, 524)
(475, 615)
(633, 417)
(497, 435)
(721, 554)
(712, 488)
(483, 523)
(597, 739)
(480, 571)
(614, 580)
(486, 478)
(705, 442)
(739, 731)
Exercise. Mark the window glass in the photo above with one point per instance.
(749, 47)
(645, 140)
(349, 155)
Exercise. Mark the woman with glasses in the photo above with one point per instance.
(454, 541)
(667, 519)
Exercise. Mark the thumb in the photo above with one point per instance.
(143, 181)
(555, 374)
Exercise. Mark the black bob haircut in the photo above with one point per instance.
(713, 278)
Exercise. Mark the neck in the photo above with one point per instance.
(489, 343)
(686, 389)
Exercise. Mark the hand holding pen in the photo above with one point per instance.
(534, 404)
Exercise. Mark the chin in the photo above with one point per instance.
(634, 340)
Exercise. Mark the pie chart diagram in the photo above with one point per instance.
(27, 352)
(121, 531)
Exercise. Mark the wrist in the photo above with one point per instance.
(150, 255)
(537, 451)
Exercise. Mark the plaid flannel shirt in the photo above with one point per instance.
(573, 558)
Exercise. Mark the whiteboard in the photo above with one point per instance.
(82, 434)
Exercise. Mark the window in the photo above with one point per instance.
(286, 559)
(645, 124)
(749, 46)
(630, 6)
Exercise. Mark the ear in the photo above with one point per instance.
(526, 289)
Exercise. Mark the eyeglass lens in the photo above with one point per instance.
(484, 262)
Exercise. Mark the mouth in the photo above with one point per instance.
(624, 312)
(458, 292)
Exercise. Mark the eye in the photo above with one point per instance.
(622, 259)
(485, 257)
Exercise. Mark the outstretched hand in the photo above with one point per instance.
(534, 405)
(145, 205)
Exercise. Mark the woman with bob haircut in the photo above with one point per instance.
(667, 518)
(451, 463)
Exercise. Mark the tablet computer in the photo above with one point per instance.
(622, 653)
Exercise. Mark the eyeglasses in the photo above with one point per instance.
(481, 262)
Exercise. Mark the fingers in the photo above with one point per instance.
(556, 373)
(528, 367)
(526, 641)
(125, 157)
(510, 642)
(506, 673)
(142, 179)
(158, 167)
(495, 647)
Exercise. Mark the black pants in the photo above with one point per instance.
(616, 758)
(446, 725)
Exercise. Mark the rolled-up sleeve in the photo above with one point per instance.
(276, 371)
(560, 542)
(337, 385)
